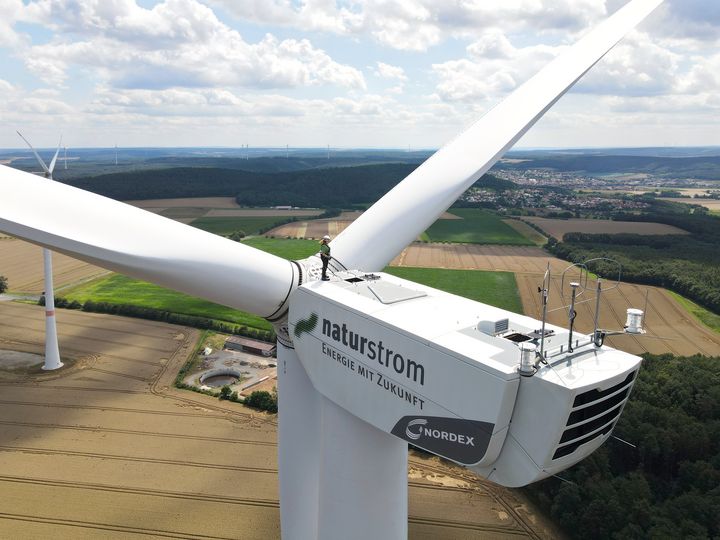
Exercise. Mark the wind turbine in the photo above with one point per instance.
(52, 351)
(460, 380)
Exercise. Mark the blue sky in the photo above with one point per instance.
(349, 73)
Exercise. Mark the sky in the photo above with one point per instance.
(344, 73)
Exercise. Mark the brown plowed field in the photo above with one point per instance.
(665, 318)
(22, 264)
(560, 227)
(320, 227)
(261, 212)
(311, 229)
(478, 257)
(106, 448)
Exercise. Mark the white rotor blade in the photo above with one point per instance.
(39, 159)
(143, 245)
(54, 159)
(392, 223)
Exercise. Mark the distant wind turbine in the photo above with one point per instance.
(52, 351)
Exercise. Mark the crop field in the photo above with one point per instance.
(560, 227)
(455, 220)
(527, 231)
(312, 229)
(206, 209)
(670, 328)
(107, 448)
(227, 225)
(666, 317)
(287, 248)
(476, 257)
(22, 264)
(495, 288)
(477, 226)
(711, 204)
(119, 289)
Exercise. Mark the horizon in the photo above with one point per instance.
(208, 72)
(347, 148)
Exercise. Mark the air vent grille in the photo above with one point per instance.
(594, 414)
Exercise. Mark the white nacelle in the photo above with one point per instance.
(413, 361)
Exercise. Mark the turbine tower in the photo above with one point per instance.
(52, 351)
(368, 362)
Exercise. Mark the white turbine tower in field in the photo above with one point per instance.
(52, 351)
(368, 362)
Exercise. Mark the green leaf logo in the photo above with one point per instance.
(306, 325)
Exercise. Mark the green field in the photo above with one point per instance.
(119, 289)
(495, 288)
(498, 289)
(227, 225)
(478, 226)
(287, 248)
(708, 318)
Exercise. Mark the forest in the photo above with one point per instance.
(340, 187)
(669, 485)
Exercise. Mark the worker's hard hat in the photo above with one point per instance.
(326, 237)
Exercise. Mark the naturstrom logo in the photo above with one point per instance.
(415, 435)
(305, 326)
(374, 350)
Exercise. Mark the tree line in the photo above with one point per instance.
(667, 487)
(686, 264)
(154, 314)
(339, 187)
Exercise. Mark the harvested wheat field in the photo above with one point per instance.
(187, 210)
(106, 448)
(311, 229)
(478, 257)
(22, 264)
(665, 318)
(560, 227)
(320, 227)
(710, 204)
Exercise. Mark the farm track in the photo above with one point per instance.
(110, 409)
(225, 499)
(95, 526)
(161, 391)
(114, 457)
(94, 429)
(495, 492)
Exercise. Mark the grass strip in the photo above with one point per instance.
(706, 317)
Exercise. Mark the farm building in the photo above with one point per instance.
(248, 345)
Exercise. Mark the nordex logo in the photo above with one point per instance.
(415, 435)
(463, 441)
(306, 325)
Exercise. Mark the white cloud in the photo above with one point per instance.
(178, 43)
(416, 25)
(636, 66)
(10, 12)
(493, 68)
(386, 71)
